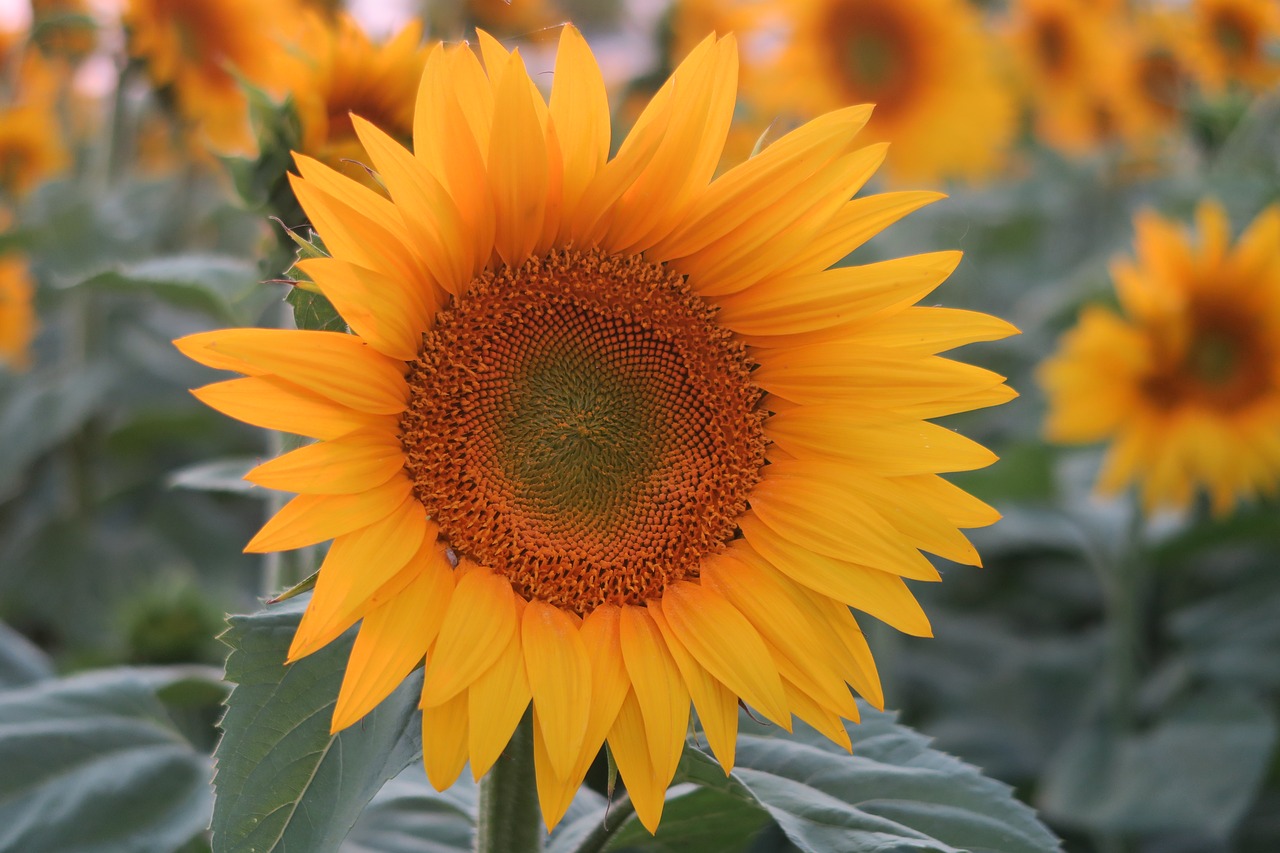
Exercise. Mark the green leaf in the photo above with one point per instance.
(217, 284)
(283, 782)
(94, 763)
(894, 792)
(409, 816)
(698, 819)
(1197, 770)
(21, 662)
(312, 311)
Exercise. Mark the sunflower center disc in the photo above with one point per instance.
(582, 426)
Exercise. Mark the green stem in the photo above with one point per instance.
(509, 820)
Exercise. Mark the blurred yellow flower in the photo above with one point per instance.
(926, 65)
(1062, 53)
(1157, 70)
(1235, 41)
(1186, 382)
(17, 313)
(194, 48)
(542, 452)
(342, 72)
(64, 28)
(31, 147)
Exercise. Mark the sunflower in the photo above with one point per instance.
(31, 147)
(343, 73)
(17, 313)
(64, 28)
(1233, 41)
(609, 436)
(925, 64)
(1157, 70)
(194, 50)
(1186, 385)
(1060, 50)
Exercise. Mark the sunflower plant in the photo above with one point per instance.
(607, 438)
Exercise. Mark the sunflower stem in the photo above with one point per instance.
(509, 821)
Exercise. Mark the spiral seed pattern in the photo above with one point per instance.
(582, 426)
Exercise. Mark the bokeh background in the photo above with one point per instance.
(1119, 667)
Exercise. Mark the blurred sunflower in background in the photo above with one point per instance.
(195, 49)
(1060, 49)
(1232, 42)
(926, 65)
(1157, 71)
(64, 28)
(343, 72)
(1185, 384)
(609, 436)
(32, 147)
(17, 313)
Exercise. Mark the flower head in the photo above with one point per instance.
(1233, 41)
(344, 73)
(925, 64)
(195, 49)
(610, 436)
(1186, 383)
(1064, 54)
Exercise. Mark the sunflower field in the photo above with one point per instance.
(753, 426)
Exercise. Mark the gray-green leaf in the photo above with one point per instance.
(893, 793)
(283, 782)
(93, 763)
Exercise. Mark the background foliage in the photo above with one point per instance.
(1119, 674)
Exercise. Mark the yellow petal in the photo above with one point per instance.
(927, 330)
(389, 314)
(477, 629)
(839, 297)
(395, 636)
(717, 705)
(703, 90)
(309, 519)
(342, 368)
(609, 686)
(857, 665)
(857, 222)
(353, 463)
(272, 403)
(878, 593)
(579, 111)
(826, 519)
(444, 741)
(361, 570)
(777, 611)
(865, 375)
(560, 678)
(498, 699)
(826, 722)
(431, 216)
(752, 188)
(882, 443)
(766, 246)
(629, 743)
(517, 165)
(455, 94)
(723, 641)
(356, 231)
(660, 692)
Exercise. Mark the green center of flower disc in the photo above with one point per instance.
(582, 426)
